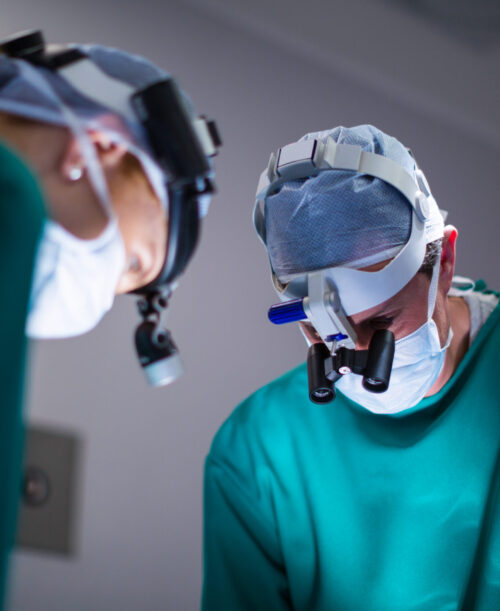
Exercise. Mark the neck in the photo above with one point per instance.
(459, 320)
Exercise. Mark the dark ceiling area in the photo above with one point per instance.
(475, 23)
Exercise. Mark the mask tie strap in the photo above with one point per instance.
(431, 304)
(95, 171)
(431, 301)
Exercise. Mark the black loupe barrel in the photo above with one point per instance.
(320, 387)
(379, 363)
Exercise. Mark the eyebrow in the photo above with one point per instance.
(382, 314)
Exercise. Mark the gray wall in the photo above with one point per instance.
(140, 543)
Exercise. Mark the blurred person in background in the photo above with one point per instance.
(105, 174)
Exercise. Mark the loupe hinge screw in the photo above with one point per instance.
(152, 305)
(350, 361)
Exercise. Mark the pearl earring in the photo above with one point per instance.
(75, 173)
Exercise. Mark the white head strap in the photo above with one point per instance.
(358, 290)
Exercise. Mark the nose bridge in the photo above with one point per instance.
(364, 337)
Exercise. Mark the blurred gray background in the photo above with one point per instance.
(268, 71)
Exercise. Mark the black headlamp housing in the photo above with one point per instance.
(178, 150)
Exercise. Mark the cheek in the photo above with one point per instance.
(144, 231)
(404, 324)
(412, 320)
(156, 235)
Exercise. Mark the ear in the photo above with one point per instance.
(448, 255)
(110, 154)
(72, 161)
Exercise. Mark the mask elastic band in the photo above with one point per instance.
(96, 174)
(431, 301)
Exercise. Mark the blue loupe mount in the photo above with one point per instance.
(324, 368)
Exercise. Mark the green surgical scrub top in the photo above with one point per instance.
(21, 220)
(331, 507)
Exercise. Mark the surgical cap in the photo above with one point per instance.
(339, 217)
(20, 95)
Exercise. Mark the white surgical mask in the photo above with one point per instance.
(74, 281)
(418, 361)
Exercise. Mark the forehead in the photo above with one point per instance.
(412, 297)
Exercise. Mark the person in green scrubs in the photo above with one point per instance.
(42, 174)
(84, 200)
(379, 502)
(20, 198)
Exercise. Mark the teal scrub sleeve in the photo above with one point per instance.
(21, 221)
(243, 563)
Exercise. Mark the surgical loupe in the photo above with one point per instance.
(327, 362)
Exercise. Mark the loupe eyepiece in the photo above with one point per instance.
(321, 389)
(378, 368)
(158, 354)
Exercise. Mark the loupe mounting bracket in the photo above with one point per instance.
(151, 306)
(374, 365)
(158, 355)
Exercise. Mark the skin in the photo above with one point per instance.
(406, 311)
(52, 153)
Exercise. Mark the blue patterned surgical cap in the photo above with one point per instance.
(339, 217)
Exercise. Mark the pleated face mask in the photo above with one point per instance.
(74, 281)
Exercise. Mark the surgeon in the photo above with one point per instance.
(370, 478)
(105, 174)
